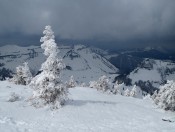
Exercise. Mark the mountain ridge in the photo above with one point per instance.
(88, 64)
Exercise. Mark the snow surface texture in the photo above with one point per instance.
(88, 110)
(85, 63)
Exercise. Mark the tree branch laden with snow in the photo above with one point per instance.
(166, 96)
(103, 84)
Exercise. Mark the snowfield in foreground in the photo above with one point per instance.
(87, 110)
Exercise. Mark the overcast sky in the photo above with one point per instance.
(114, 22)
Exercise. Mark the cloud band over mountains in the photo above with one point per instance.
(108, 20)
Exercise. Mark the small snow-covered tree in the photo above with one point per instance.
(48, 87)
(127, 93)
(133, 92)
(92, 84)
(18, 76)
(166, 96)
(23, 75)
(71, 83)
(27, 74)
(117, 88)
(103, 84)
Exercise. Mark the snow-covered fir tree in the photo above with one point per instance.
(127, 92)
(48, 87)
(117, 88)
(133, 92)
(23, 75)
(71, 82)
(18, 76)
(27, 74)
(103, 84)
(166, 96)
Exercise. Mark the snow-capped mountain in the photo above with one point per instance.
(147, 68)
(84, 63)
(88, 64)
(156, 71)
(150, 74)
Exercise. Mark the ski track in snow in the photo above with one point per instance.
(87, 110)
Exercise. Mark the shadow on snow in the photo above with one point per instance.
(84, 102)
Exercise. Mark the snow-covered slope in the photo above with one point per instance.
(155, 72)
(87, 110)
(82, 62)
(12, 55)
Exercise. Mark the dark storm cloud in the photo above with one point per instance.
(101, 20)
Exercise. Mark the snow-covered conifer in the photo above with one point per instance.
(48, 87)
(117, 88)
(127, 93)
(71, 83)
(103, 84)
(133, 92)
(18, 76)
(166, 96)
(27, 74)
(92, 84)
(23, 75)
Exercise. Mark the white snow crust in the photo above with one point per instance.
(87, 110)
